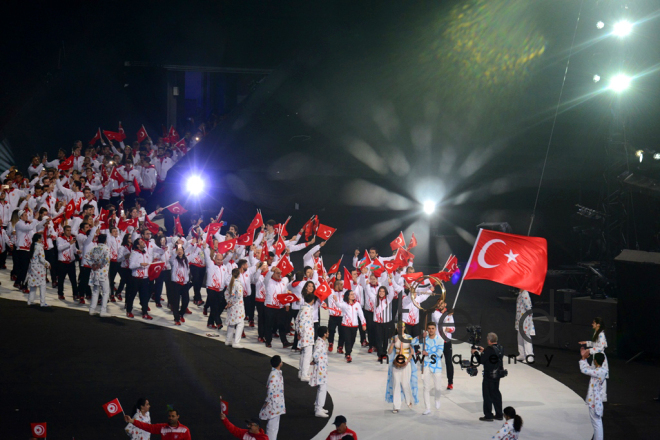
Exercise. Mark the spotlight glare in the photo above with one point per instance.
(429, 207)
(600, 25)
(596, 78)
(639, 153)
(195, 185)
(622, 28)
(656, 156)
(620, 82)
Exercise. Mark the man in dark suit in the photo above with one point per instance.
(491, 359)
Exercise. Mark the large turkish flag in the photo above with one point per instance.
(514, 260)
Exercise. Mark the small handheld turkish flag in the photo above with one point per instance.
(402, 257)
(224, 407)
(398, 242)
(137, 186)
(513, 260)
(116, 175)
(323, 291)
(280, 246)
(413, 242)
(177, 225)
(121, 132)
(112, 408)
(172, 134)
(124, 224)
(347, 279)
(391, 266)
(285, 266)
(38, 430)
(155, 269)
(227, 246)
(287, 298)
(181, 145)
(335, 267)
(70, 209)
(325, 232)
(257, 222)
(264, 251)
(246, 239)
(153, 227)
(96, 138)
(67, 164)
(142, 134)
(113, 135)
(176, 208)
(412, 277)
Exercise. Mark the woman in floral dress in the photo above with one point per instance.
(235, 311)
(36, 278)
(319, 375)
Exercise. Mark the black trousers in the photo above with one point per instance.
(363, 333)
(395, 309)
(490, 389)
(158, 285)
(112, 274)
(334, 324)
(414, 330)
(51, 257)
(125, 279)
(449, 363)
(371, 328)
(142, 287)
(180, 298)
(64, 270)
(261, 319)
(3, 260)
(383, 334)
(83, 282)
(276, 318)
(349, 335)
(22, 265)
(249, 303)
(131, 292)
(197, 274)
(213, 301)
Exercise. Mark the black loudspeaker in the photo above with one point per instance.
(638, 277)
(564, 304)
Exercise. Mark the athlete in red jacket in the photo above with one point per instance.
(172, 430)
(254, 431)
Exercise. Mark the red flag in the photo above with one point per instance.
(246, 239)
(103, 217)
(177, 226)
(257, 222)
(137, 186)
(335, 267)
(67, 164)
(411, 277)
(413, 242)
(70, 209)
(213, 228)
(121, 132)
(116, 175)
(155, 269)
(264, 251)
(113, 135)
(173, 135)
(398, 242)
(452, 264)
(79, 204)
(124, 224)
(57, 220)
(280, 246)
(38, 430)
(325, 232)
(176, 208)
(153, 227)
(365, 260)
(286, 298)
(308, 228)
(112, 408)
(402, 257)
(315, 224)
(348, 278)
(142, 134)
(391, 266)
(514, 260)
(96, 138)
(224, 406)
(226, 246)
(181, 145)
(323, 291)
(285, 266)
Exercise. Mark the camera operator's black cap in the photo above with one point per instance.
(339, 420)
(251, 421)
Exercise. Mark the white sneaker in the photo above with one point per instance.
(93, 312)
(520, 359)
(427, 412)
(106, 315)
(45, 305)
(305, 379)
(437, 405)
(321, 414)
(324, 410)
(238, 346)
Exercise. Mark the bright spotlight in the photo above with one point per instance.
(620, 82)
(197, 138)
(596, 78)
(640, 154)
(429, 207)
(656, 156)
(622, 28)
(195, 185)
(600, 25)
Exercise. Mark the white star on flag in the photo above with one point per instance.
(511, 256)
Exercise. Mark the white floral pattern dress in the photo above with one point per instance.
(136, 433)
(594, 398)
(38, 266)
(523, 304)
(507, 432)
(319, 373)
(100, 256)
(305, 326)
(236, 313)
(274, 405)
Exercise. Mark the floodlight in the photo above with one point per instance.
(620, 82)
(429, 207)
(596, 78)
(622, 28)
(195, 185)
(600, 25)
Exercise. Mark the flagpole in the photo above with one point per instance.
(467, 267)
(171, 204)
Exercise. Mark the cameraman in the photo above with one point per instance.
(491, 359)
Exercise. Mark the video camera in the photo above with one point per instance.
(474, 337)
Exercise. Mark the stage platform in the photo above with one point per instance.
(65, 364)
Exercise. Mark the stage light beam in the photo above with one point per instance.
(429, 207)
(620, 82)
(622, 28)
(195, 185)
(640, 154)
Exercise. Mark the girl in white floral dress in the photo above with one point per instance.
(36, 278)
(235, 311)
(99, 258)
(141, 411)
(319, 375)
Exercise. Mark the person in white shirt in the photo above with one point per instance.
(276, 313)
(235, 310)
(141, 411)
(66, 257)
(130, 175)
(513, 424)
(148, 179)
(594, 399)
(351, 317)
(217, 278)
(139, 264)
(180, 283)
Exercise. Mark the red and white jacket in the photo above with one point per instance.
(334, 302)
(66, 251)
(195, 255)
(383, 307)
(217, 277)
(123, 255)
(24, 233)
(274, 288)
(243, 434)
(351, 313)
(180, 271)
(139, 271)
(167, 432)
